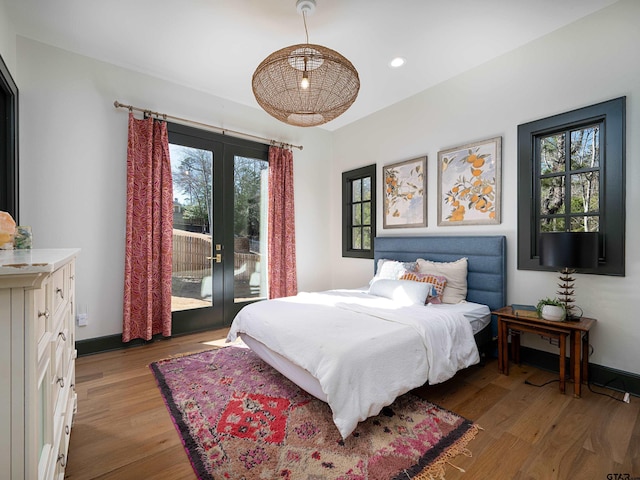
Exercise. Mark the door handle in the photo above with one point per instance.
(218, 258)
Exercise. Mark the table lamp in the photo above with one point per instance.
(569, 251)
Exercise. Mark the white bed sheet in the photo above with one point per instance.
(363, 350)
(479, 315)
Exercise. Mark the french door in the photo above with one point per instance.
(220, 196)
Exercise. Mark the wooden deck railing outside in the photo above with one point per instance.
(192, 257)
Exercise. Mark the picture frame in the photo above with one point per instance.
(470, 184)
(405, 194)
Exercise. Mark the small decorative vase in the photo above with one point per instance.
(22, 239)
(553, 313)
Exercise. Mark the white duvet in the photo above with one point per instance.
(364, 350)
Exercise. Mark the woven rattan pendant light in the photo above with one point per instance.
(305, 84)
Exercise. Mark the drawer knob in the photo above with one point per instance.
(44, 314)
(60, 380)
(62, 459)
(60, 292)
(64, 337)
(67, 429)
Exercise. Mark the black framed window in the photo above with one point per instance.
(8, 142)
(571, 178)
(358, 212)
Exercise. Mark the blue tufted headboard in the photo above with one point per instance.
(486, 277)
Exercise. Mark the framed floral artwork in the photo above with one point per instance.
(469, 183)
(405, 200)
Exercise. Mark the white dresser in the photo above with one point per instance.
(37, 362)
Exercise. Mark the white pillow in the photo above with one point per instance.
(405, 292)
(456, 272)
(392, 269)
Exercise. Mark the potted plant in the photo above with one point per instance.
(551, 309)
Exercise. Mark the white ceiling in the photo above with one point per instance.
(215, 45)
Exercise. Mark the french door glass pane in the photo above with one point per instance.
(250, 228)
(192, 173)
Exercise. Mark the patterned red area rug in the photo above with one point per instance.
(241, 419)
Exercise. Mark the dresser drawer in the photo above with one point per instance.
(60, 288)
(72, 278)
(63, 352)
(58, 380)
(43, 321)
(62, 441)
(42, 312)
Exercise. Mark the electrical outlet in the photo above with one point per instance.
(83, 319)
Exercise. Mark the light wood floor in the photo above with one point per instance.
(123, 430)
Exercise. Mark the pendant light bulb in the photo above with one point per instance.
(304, 83)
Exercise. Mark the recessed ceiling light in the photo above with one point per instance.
(397, 62)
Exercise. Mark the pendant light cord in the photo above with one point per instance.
(304, 19)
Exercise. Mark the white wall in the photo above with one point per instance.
(7, 40)
(530, 83)
(73, 167)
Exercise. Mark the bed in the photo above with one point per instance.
(358, 351)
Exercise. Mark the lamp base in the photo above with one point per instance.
(566, 291)
(574, 313)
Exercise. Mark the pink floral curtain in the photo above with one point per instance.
(283, 281)
(148, 249)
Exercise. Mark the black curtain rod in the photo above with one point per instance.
(221, 130)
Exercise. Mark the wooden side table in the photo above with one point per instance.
(509, 322)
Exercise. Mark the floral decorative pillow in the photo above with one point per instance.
(439, 283)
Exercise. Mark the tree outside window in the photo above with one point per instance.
(359, 212)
